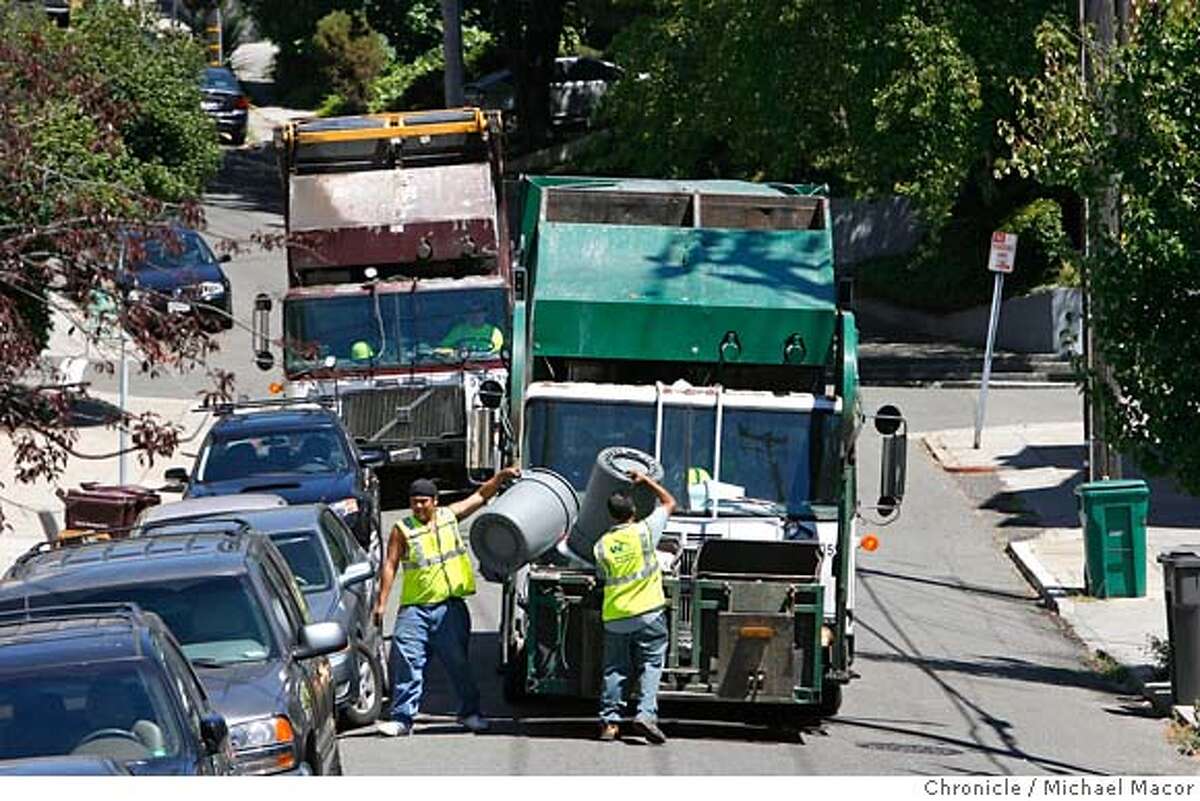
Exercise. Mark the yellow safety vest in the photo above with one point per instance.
(697, 475)
(632, 581)
(437, 566)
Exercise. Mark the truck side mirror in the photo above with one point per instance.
(260, 333)
(894, 460)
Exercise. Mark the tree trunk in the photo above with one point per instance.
(532, 31)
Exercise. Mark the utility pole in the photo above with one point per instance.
(452, 50)
(1104, 18)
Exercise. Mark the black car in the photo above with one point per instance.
(224, 101)
(230, 600)
(302, 453)
(102, 689)
(175, 271)
(335, 576)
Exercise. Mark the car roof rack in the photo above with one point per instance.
(154, 528)
(126, 609)
(50, 547)
(223, 408)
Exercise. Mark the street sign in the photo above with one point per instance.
(1003, 253)
(1000, 262)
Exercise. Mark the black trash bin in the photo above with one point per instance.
(1181, 582)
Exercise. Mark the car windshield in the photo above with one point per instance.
(173, 250)
(395, 329)
(304, 557)
(220, 79)
(776, 456)
(310, 451)
(216, 619)
(116, 709)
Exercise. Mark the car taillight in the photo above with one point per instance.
(241, 102)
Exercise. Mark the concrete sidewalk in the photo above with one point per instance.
(22, 502)
(1038, 466)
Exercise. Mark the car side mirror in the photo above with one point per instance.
(356, 574)
(893, 463)
(318, 639)
(177, 475)
(213, 732)
(375, 457)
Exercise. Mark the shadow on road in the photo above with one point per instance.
(247, 181)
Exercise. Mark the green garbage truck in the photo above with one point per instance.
(698, 322)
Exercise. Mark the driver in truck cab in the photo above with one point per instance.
(474, 332)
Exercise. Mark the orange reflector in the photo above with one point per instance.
(756, 632)
(869, 543)
(275, 388)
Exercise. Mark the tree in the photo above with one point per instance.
(101, 138)
(1135, 123)
(530, 32)
(351, 55)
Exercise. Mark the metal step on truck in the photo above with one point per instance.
(399, 284)
(698, 322)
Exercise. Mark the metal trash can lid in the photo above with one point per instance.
(1181, 556)
(1113, 485)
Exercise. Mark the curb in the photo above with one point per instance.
(1157, 693)
(945, 461)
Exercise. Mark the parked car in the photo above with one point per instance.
(224, 101)
(102, 689)
(335, 575)
(301, 452)
(576, 87)
(201, 508)
(231, 602)
(178, 273)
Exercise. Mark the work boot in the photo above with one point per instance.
(608, 732)
(649, 729)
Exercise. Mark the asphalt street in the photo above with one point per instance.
(962, 671)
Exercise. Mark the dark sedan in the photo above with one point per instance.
(225, 102)
(175, 271)
(301, 453)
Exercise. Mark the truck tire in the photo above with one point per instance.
(831, 700)
(515, 692)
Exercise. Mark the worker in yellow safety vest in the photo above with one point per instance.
(433, 615)
(635, 621)
(475, 333)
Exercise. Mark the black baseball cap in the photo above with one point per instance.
(423, 487)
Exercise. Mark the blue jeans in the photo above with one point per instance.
(642, 650)
(445, 629)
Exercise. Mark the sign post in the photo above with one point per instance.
(1000, 261)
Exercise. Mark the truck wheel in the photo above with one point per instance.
(365, 709)
(515, 692)
(831, 699)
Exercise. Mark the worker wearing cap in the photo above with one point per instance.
(475, 332)
(433, 617)
(635, 621)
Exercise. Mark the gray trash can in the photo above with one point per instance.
(1181, 581)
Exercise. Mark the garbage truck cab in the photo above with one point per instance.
(697, 322)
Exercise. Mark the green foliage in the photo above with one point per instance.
(156, 76)
(351, 55)
(418, 83)
(1133, 131)
(949, 273)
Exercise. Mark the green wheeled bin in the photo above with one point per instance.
(1113, 516)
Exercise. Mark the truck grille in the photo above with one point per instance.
(438, 416)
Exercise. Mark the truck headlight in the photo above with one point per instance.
(344, 507)
(263, 745)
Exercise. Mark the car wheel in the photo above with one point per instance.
(365, 709)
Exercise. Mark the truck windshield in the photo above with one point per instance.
(407, 329)
(783, 457)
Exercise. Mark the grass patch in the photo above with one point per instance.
(1108, 668)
